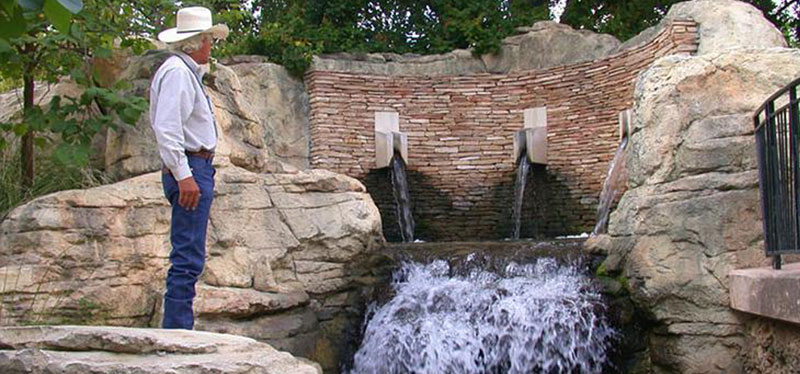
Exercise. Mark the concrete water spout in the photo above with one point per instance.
(532, 139)
(389, 139)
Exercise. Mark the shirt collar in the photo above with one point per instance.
(197, 69)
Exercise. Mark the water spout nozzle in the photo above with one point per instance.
(532, 139)
(389, 139)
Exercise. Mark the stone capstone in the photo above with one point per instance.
(518, 53)
(767, 292)
(692, 210)
(117, 350)
(283, 251)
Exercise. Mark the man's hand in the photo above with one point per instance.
(189, 195)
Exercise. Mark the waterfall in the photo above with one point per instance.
(611, 187)
(402, 198)
(523, 167)
(542, 317)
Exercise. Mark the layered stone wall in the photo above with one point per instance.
(692, 214)
(460, 136)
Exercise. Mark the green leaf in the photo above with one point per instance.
(40, 142)
(4, 46)
(122, 85)
(102, 52)
(62, 154)
(20, 129)
(8, 5)
(77, 32)
(130, 115)
(58, 15)
(12, 24)
(78, 75)
(58, 126)
(32, 5)
(74, 6)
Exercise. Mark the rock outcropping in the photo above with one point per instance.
(691, 213)
(285, 255)
(116, 350)
(261, 112)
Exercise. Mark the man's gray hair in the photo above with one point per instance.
(189, 45)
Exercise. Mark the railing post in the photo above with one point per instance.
(770, 133)
(793, 127)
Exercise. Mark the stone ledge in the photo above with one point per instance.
(767, 292)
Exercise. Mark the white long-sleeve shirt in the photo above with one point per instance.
(180, 113)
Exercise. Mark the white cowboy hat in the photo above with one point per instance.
(192, 21)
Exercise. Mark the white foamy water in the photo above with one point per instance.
(535, 318)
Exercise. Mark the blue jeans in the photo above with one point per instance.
(188, 238)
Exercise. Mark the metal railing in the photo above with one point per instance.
(776, 132)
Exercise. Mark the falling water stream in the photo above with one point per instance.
(612, 186)
(540, 317)
(402, 199)
(523, 167)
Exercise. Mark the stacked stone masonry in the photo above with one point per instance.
(460, 138)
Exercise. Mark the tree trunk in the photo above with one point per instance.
(27, 138)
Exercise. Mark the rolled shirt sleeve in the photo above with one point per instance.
(173, 106)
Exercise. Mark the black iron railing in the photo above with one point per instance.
(776, 131)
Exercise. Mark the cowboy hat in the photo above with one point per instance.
(193, 21)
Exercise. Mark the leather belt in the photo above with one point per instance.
(201, 153)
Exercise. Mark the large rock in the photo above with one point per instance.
(281, 247)
(691, 214)
(261, 113)
(723, 25)
(116, 350)
(520, 52)
(564, 46)
(280, 102)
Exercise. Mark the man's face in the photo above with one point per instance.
(204, 53)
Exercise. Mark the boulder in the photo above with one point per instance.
(279, 248)
(692, 210)
(117, 350)
(564, 46)
(280, 102)
(723, 25)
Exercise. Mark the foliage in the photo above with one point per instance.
(45, 40)
(787, 16)
(52, 176)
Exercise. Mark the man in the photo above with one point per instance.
(183, 122)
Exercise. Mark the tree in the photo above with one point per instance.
(787, 15)
(292, 31)
(47, 40)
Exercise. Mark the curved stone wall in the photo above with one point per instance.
(460, 135)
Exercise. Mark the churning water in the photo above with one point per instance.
(534, 318)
